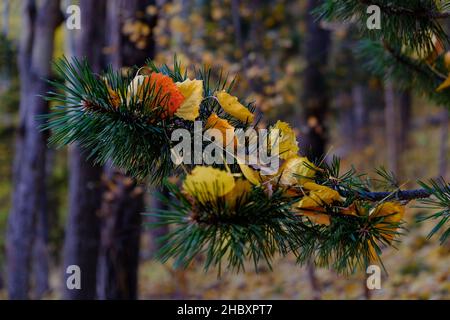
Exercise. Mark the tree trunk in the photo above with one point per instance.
(405, 106)
(443, 148)
(315, 99)
(120, 237)
(391, 127)
(5, 16)
(29, 195)
(123, 201)
(361, 115)
(83, 225)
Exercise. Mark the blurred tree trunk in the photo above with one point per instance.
(83, 224)
(160, 231)
(29, 195)
(405, 106)
(391, 126)
(361, 115)
(443, 151)
(315, 101)
(123, 200)
(5, 16)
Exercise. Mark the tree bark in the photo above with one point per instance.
(29, 195)
(405, 106)
(391, 127)
(83, 225)
(315, 100)
(5, 16)
(123, 201)
(120, 237)
(443, 148)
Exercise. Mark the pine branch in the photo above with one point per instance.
(401, 195)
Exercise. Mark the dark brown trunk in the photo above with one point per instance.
(315, 100)
(29, 195)
(391, 127)
(83, 225)
(120, 237)
(123, 201)
(443, 147)
(405, 106)
(361, 116)
(315, 97)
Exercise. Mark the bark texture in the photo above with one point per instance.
(29, 194)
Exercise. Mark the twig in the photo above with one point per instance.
(402, 195)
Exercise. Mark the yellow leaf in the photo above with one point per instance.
(232, 106)
(251, 175)
(318, 196)
(227, 130)
(192, 90)
(444, 85)
(283, 140)
(114, 98)
(297, 170)
(207, 184)
(239, 194)
(318, 218)
(393, 213)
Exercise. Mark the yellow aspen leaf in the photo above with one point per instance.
(317, 218)
(233, 107)
(192, 90)
(318, 196)
(239, 194)
(207, 184)
(444, 85)
(283, 140)
(251, 175)
(227, 130)
(393, 213)
(114, 98)
(297, 170)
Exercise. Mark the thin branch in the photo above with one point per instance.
(401, 195)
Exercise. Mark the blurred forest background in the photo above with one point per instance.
(295, 69)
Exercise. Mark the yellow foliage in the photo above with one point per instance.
(444, 85)
(233, 107)
(239, 194)
(318, 196)
(227, 130)
(251, 175)
(207, 184)
(282, 137)
(297, 170)
(192, 90)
